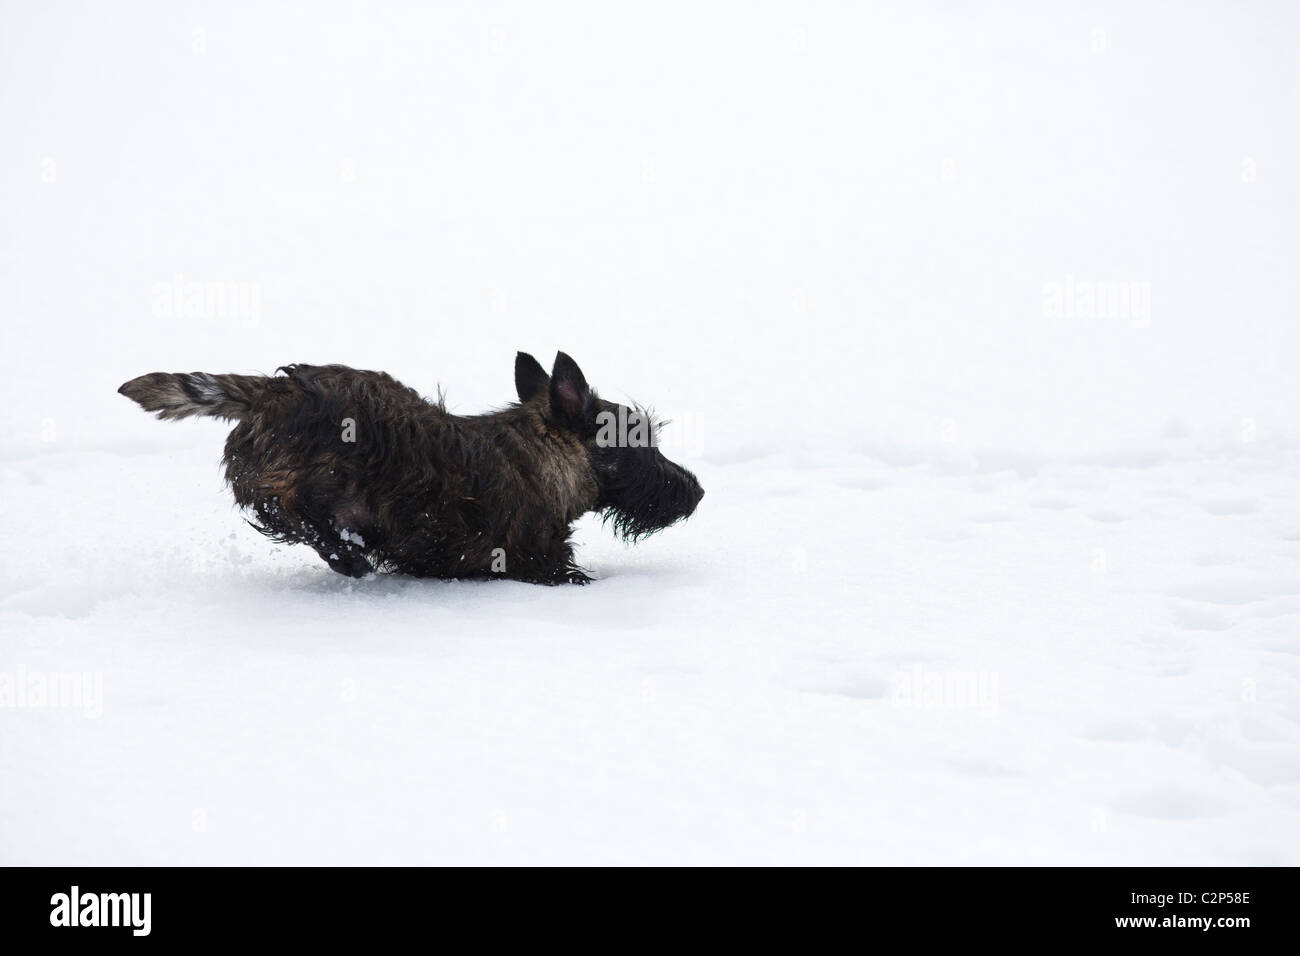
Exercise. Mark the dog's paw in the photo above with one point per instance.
(349, 563)
(570, 576)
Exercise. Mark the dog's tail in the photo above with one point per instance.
(180, 395)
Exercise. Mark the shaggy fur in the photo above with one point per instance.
(374, 477)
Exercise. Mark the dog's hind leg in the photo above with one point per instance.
(342, 550)
(350, 519)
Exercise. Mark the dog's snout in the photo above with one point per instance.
(697, 493)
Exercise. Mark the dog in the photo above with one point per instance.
(374, 477)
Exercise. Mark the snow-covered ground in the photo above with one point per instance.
(983, 575)
(841, 658)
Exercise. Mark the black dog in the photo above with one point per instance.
(373, 476)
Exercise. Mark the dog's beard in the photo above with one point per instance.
(643, 492)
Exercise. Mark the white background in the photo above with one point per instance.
(820, 237)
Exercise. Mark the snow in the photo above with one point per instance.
(976, 580)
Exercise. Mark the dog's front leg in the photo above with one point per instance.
(550, 569)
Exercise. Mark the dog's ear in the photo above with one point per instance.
(530, 377)
(571, 399)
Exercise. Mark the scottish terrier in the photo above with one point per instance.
(374, 477)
